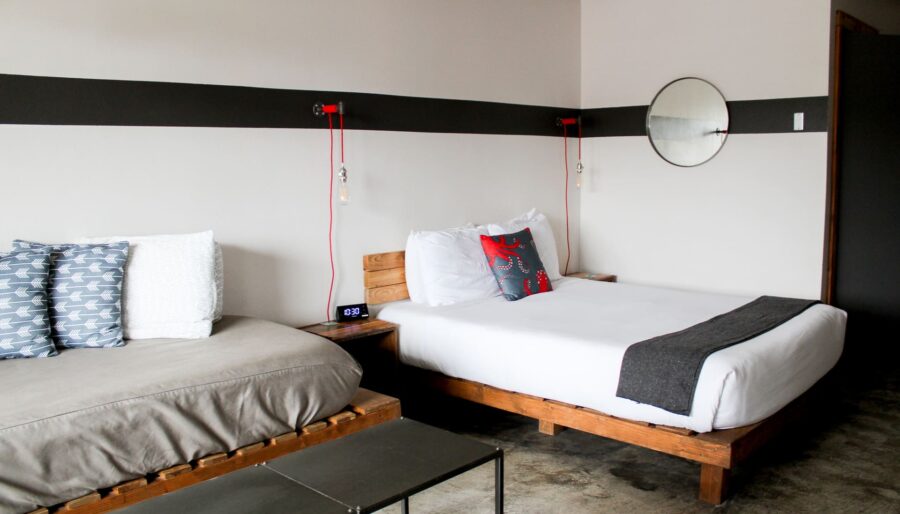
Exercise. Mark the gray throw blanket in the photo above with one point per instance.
(663, 371)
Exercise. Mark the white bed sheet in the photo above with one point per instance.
(568, 346)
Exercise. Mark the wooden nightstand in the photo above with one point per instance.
(600, 277)
(373, 343)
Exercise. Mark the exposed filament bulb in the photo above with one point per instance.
(343, 191)
(579, 171)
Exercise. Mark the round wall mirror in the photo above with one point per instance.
(687, 123)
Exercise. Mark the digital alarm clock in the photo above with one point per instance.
(352, 312)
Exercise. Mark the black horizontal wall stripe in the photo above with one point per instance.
(772, 116)
(614, 121)
(777, 115)
(71, 101)
(32, 100)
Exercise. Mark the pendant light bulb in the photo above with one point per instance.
(343, 192)
(579, 171)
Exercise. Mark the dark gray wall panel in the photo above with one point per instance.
(867, 280)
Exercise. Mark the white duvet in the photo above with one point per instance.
(567, 345)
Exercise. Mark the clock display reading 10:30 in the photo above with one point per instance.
(352, 312)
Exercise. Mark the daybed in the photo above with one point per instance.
(113, 426)
(557, 356)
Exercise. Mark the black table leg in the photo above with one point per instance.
(498, 485)
(404, 506)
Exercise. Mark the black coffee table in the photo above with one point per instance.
(376, 467)
(362, 472)
(253, 489)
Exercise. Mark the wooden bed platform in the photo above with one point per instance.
(367, 409)
(717, 452)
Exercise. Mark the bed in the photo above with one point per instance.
(92, 430)
(556, 357)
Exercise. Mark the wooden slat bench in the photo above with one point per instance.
(367, 409)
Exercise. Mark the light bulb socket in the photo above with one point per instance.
(320, 109)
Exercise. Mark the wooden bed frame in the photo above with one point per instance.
(367, 409)
(717, 452)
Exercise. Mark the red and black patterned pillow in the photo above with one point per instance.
(516, 265)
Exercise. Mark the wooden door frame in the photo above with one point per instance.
(842, 22)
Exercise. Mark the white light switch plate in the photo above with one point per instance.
(798, 121)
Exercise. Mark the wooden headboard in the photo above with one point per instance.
(384, 277)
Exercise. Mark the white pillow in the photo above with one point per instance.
(415, 282)
(542, 234)
(170, 285)
(220, 284)
(448, 267)
(415, 278)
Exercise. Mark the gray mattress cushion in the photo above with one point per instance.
(88, 419)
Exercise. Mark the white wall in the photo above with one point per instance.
(750, 221)
(749, 50)
(503, 50)
(263, 191)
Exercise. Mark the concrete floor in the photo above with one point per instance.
(845, 460)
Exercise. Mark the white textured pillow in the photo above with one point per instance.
(542, 234)
(170, 285)
(451, 265)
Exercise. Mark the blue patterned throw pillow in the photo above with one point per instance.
(85, 293)
(516, 264)
(24, 320)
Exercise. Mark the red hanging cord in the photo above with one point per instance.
(331, 205)
(566, 160)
